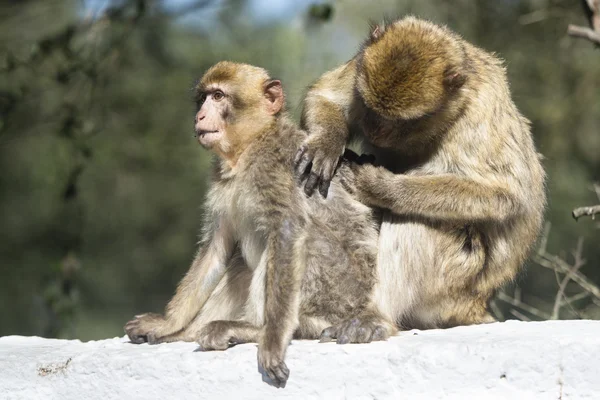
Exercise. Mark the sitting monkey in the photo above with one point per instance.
(460, 181)
(313, 261)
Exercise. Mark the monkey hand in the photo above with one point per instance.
(270, 359)
(144, 328)
(316, 162)
(362, 329)
(216, 335)
(356, 177)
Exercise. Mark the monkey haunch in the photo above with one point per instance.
(461, 182)
(272, 263)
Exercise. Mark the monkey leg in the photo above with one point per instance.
(310, 327)
(463, 311)
(225, 303)
(219, 335)
(366, 327)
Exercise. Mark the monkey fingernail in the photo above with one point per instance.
(311, 184)
(299, 155)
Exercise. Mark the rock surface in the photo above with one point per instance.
(511, 360)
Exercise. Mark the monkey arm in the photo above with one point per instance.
(206, 271)
(282, 300)
(325, 117)
(448, 197)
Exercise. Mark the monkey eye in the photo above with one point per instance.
(218, 95)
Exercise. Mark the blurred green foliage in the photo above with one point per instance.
(101, 180)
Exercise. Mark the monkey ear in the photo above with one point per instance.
(376, 31)
(454, 79)
(274, 95)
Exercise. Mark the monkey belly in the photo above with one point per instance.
(425, 269)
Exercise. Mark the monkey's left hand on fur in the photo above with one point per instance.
(270, 359)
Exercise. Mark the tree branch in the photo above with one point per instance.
(562, 285)
(523, 306)
(591, 8)
(584, 33)
(586, 211)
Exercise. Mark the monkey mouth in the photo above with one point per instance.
(207, 138)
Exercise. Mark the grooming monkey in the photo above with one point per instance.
(273, 264)
(459, 179)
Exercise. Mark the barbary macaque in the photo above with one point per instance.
(459, 178)
(272, 264)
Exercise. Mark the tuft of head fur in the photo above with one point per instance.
(236, 76)
(408, 68)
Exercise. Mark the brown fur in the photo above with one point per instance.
(272, 264)
(460, 180)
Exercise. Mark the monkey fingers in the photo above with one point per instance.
(317, 159)
(357, 330)
(347, 177)
(302, 162)
(271, 362)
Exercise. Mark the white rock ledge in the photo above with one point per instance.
(512, 360)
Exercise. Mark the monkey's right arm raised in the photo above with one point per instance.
(206, 271)
(325, 115)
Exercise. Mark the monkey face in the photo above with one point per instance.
(210, 119)
(235, 102)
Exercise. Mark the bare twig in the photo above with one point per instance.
(544, 238)
(497, 311)
(525, 307)
(519, 315)
(586, 211)
(574, 298)
(577, 264)
(556, 263)
(584, 33)
(592, 13)
(533, 17)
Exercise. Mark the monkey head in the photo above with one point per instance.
(235, 102)
(409, 68)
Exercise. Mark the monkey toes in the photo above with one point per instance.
(217, 335)
(357, 330)
(142, 328)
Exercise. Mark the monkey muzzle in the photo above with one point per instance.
(208, 138)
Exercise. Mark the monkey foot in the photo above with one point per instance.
(217, 335)
(357, 330)
(142, 328)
